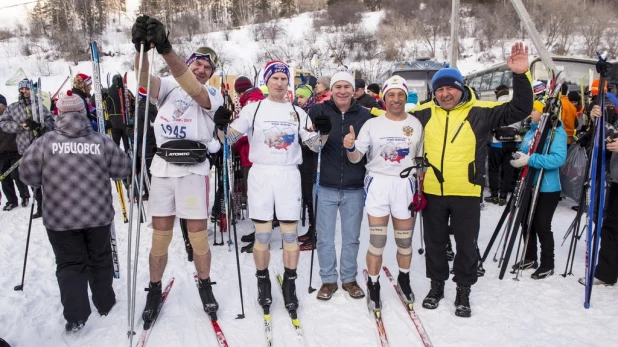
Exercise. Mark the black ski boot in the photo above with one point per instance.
(289, 291)
(73, 327)
(248, 237)
(480, 270)
(153, 301)
(404, 289)
(309, 235)
(248, 248)
(542, 272)
(264, 295)
(436, 293)
(462, 301)
(373, 299)
(450, 254)
(525, 265)
(211, 306)
(25, 202)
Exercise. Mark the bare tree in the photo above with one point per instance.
(592, 30)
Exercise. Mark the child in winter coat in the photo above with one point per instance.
(73, 165)
(549, 194)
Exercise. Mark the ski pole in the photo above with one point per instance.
(422, 249)
(20, 287)
(315, 211)
(231, 207)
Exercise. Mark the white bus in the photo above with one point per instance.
(417, 73)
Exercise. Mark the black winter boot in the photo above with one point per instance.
(436, 293)
(73, 327)
(404, 289)
(462, 301)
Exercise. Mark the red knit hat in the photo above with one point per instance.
(242, 84)
(70, 102)
(87, 79)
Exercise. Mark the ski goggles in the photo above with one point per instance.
(204, 53)
(24, 84)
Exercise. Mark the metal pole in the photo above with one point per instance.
(454, 53)
(524, 16)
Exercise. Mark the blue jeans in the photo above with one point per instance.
(350, 205)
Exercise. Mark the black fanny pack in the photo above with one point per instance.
(184, 152)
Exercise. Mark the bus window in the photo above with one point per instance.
(496, 80)
(507, 78)
(485, 81)
(475, 82)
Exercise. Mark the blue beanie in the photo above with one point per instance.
(3, 100)
(447, 77)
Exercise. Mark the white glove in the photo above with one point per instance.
(521, 159)
(214, 146)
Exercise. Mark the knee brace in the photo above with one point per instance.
(403, 239)
(263, 232)
(160, 242)
(288, 234)
(377, 240)
(199, 242)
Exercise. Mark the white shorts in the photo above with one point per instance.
(184, 197)
(386, 195)
(274, 188)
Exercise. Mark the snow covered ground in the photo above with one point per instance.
(507, 313)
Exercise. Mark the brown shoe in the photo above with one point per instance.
(353, 289)
(327, 290)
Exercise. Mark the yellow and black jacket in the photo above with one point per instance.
(456, 141)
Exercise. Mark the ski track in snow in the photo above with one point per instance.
(504, 313)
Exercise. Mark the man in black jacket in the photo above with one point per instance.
(8, 157)
(364, 99)
(340, 189)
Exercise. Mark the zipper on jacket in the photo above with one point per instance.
(343, 155)
(443, 152)
(458, 130)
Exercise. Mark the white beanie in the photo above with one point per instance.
(395, 81)
(342, 76)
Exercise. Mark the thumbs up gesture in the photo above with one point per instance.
(348, 140)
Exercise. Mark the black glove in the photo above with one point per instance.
(604, 68)
(322, 124)
(158, 37)
(223, 117)
(108, 125)
(139, 32)
(32, 125)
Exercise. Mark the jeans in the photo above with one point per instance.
(349, 203)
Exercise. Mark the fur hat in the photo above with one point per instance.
(70, 102)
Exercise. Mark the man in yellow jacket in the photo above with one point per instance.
(456, 125)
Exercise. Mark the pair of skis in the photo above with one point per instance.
(268, 333)
(145, 334)
(377, 314)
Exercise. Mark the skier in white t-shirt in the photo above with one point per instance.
(180, 184)
(275, 128)
(392, 143)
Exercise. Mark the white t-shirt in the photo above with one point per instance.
(273, 137)
(392, 145)
(181, 118)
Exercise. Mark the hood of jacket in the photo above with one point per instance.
(73, 124)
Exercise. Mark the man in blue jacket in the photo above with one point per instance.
(341, 189)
